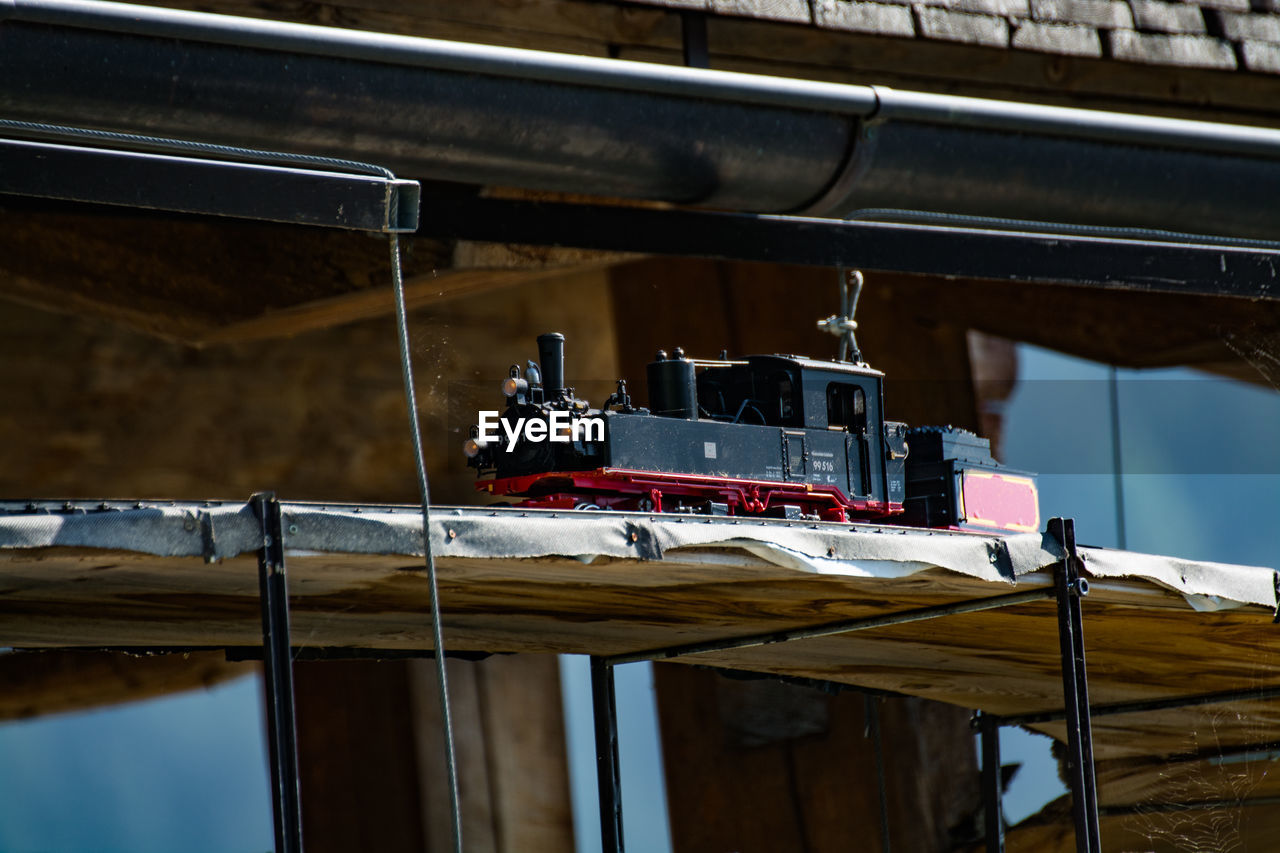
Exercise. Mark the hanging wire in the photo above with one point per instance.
(1117, 460)
(437, 632)
(137, 142)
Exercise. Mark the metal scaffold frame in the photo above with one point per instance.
(1069, 587)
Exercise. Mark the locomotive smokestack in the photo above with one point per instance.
(551, 356)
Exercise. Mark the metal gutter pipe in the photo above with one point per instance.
(440, 110)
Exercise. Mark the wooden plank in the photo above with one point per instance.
(57, 598)
(50, 682)
(513, 767)
(359, 784)
(180, 277)
(770, 766)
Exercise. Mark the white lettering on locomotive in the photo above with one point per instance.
(559, 426)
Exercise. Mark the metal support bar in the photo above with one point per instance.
(992, 784)
(278, 673)
(1145, 705)
(828, 629)
(1174, 266)
(302, 196)
(1075, 688)
(604, 708)
(1189, 806)
(871, 706)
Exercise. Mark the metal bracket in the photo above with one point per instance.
(1075, 687)
(278, 672)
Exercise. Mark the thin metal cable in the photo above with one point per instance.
(40, 130)
(1117, 460)
(964, 220)
(437, 632)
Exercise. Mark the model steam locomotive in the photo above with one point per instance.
(769, 435)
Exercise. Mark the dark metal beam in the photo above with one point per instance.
(1075, 687)
(992, 784)
(271, 193)
(604, 707)
(1123, 264)
(1187, 806)
(1222, 697)
(828, 629)
(282, 735)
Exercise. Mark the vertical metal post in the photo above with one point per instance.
(693, 29)
(278, 671)
(871, 707)
(605, 712)
(992, 783)
(1075, 688)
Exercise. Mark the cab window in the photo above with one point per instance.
(846, 407)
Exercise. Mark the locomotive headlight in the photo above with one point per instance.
(513, 385)
(471, 448)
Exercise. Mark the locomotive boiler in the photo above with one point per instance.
(770, 435)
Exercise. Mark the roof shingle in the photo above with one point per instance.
(1069, 39)
(887, 19)
(950, 25)
(1189, 51)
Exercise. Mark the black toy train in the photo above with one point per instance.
(771, 435)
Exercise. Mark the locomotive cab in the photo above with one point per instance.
(823, 422)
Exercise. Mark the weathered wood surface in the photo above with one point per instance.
(208, 280)
(760, 766)
(372, 764)
(50, 682)
(1204, 770)
(512, 764)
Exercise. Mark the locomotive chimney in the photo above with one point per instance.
(551, 356)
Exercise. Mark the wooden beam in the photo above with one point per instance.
(205, 281)
(763, 765)
(359, 782)
(513, 767)
(36, 683)
(370, 741)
